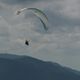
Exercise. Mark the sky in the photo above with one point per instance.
(61, 43)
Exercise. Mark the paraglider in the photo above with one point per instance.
(27, 42)
(42, 17)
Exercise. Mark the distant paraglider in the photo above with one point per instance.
(42, 17)
(27, 42)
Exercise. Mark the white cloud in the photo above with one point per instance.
(68, 8)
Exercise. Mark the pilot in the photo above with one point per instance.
(27, 42)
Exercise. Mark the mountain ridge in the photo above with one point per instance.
(14, 67)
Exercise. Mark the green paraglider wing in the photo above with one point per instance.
(44, 25)
(38, 12)
(43, 18)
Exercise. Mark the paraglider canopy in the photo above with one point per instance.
(40, 14)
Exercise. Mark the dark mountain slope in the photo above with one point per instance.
(13, 67)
